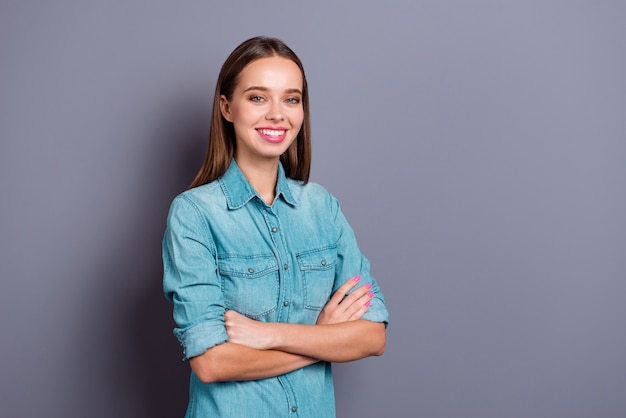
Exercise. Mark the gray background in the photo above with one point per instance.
(478, 149)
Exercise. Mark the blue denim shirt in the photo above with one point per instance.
(225, 248)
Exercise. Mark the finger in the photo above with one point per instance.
(360, 312)
(231, 318)
(341, 292)
(231, 315)
(361, 306)
(365, 297)
(356, 295)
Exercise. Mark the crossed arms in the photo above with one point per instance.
(259, 350)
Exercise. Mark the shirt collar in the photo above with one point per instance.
(239, 192)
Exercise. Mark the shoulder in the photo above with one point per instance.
(210, 193)
(312, 194)
(199, 200)
(310, 188)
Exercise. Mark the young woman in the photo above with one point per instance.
(268, 284)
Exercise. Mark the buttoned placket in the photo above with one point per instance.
(283, 258)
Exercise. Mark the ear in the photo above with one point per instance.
(225, 108)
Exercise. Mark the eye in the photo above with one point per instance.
(293, 100)
(257, 99)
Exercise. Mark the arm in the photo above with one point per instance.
(342, 342)
(346, 341)
(339, 335)
(230, 361)
(243, 358)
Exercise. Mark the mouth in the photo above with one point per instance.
(272, 135)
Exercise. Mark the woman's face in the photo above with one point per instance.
(265, 109)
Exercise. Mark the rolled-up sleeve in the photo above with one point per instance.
(351, 262)
(190, 279)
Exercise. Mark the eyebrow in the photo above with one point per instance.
(266, 89)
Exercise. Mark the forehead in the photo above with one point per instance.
(272, 73)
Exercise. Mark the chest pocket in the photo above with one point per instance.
(249, 283)
(318, 272)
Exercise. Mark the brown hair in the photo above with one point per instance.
(297, 159)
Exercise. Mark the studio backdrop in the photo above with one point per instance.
(478, 149)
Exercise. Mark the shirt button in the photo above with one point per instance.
(285, 303)
(250, 270)
(274, 229)
(294, 409)
(323, 262)
(285, 266)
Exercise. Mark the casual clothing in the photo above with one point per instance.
(225, 248)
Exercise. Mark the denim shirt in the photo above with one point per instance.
(225, 248)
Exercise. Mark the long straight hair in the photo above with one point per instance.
(296, 159)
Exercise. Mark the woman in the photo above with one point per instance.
(264, 272)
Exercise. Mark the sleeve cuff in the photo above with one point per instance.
(199, 338)
(377, 312)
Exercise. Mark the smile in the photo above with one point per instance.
(272, 132)
(272, 135)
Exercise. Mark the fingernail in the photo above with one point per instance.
(356, 278)
(367, 303)
(370, 294)
(368, 286)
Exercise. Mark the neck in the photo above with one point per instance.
(262, 177)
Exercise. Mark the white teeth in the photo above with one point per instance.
(271, 132)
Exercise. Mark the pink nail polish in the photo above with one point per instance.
(367, 303)
(368, 286)
(370, 294)
(356, 278)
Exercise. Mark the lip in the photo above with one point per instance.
(264, 133)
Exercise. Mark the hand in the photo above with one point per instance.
(245, 331)
(342, 308)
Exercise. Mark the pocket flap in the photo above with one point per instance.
(246, 266)
(318, 259)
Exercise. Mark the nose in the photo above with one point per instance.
(274, 112)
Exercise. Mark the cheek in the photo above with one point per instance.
(297, 117)
(243, 115)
